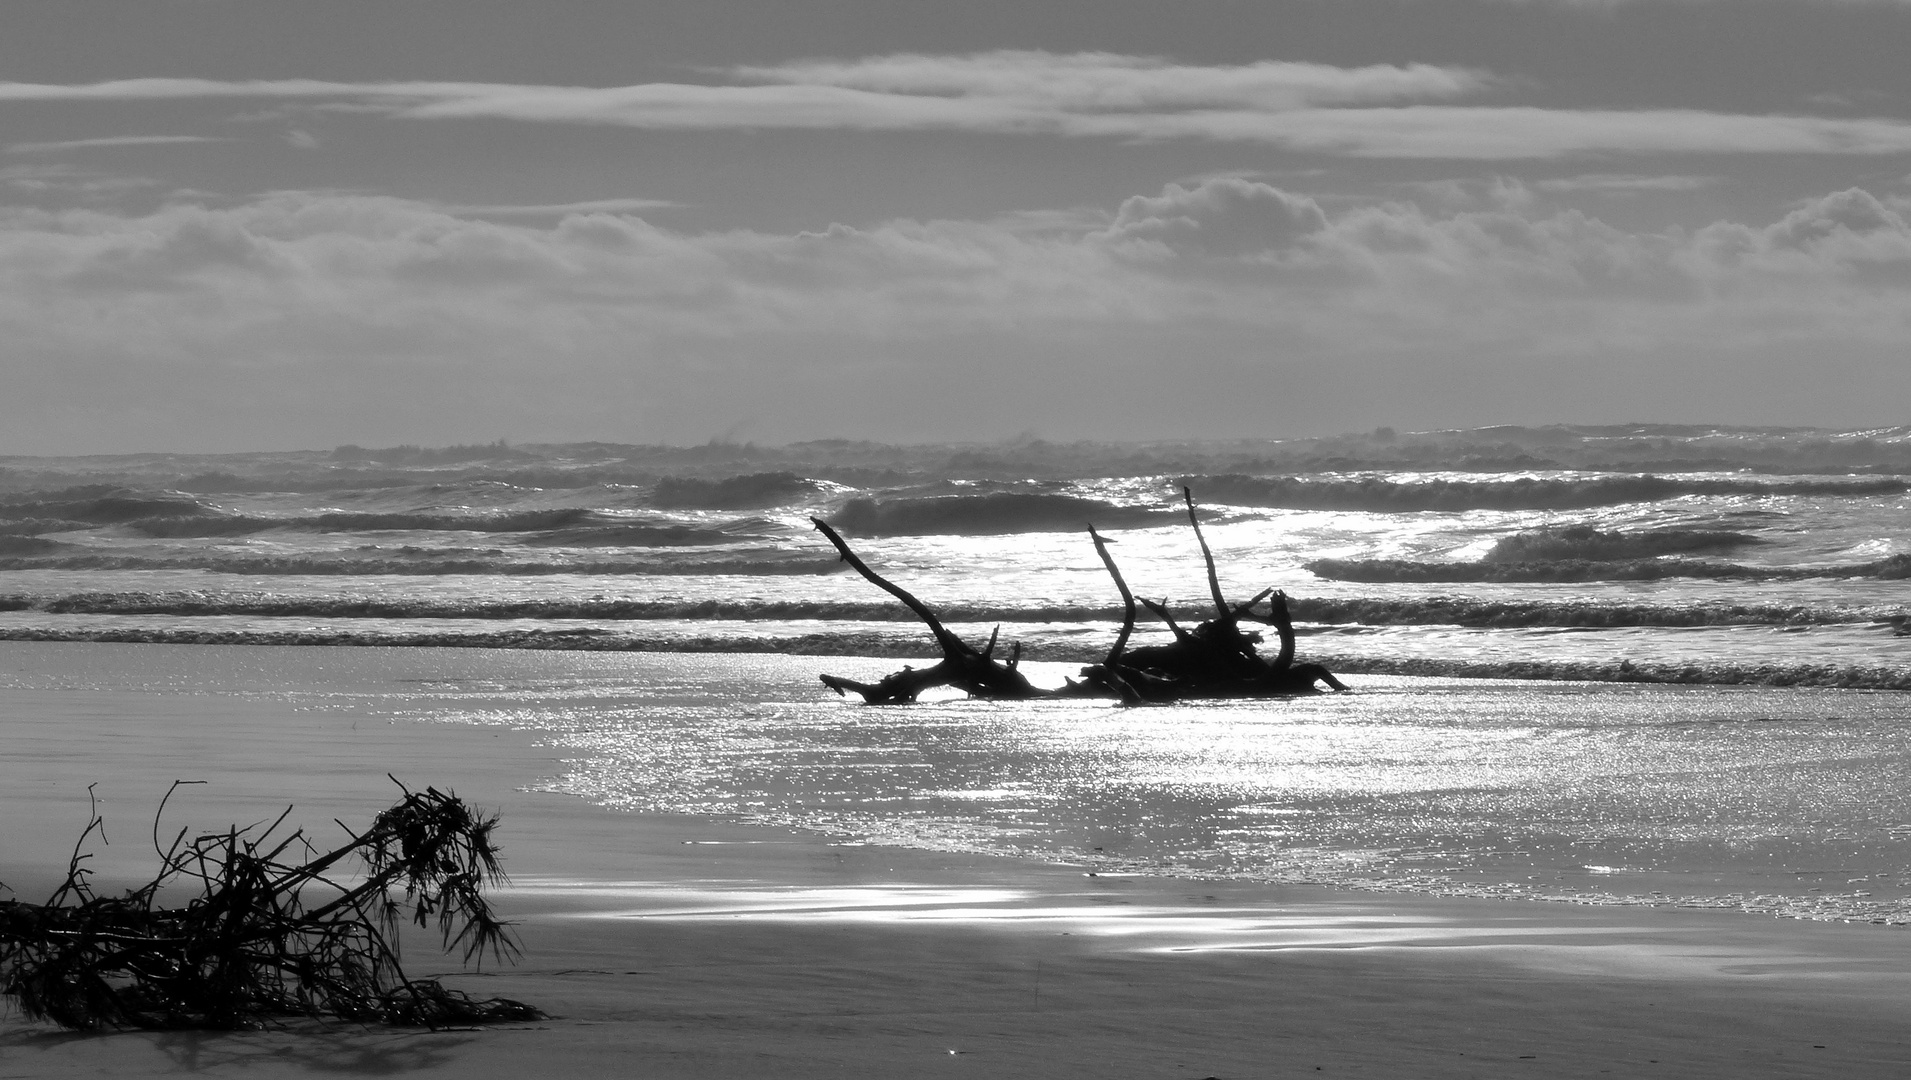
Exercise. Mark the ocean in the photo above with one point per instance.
(1644, 664)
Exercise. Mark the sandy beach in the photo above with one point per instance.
(684, 947)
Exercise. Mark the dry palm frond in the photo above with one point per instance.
(247, 946)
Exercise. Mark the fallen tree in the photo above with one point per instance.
(1216, 659)
(248, 947)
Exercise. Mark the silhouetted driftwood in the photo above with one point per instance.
(1215, 659)
(977, 673)
(250, 946)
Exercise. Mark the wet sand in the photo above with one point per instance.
(680, 947)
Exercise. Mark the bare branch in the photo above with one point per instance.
(949, 643)
(1127, 598)
(1214, 580)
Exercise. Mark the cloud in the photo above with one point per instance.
(1514, 133)
(165, 89)
(589, 206)
(1379, 111)
(1112, 83)
(1854, 212)
(117, 140)
(1220, 308)
(35, 179)
(1224, 216)
(1624, 183)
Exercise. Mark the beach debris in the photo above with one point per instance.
(1216, 659)
(255, 925)
(962, 665)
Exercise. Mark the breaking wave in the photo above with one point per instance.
(994, 513)
(752, 491)
(28, 545)
(1380, 494)
(1463, 611)
(545, 528)
(256, 604)
(430, 564)
(651, 536)
(344, 521)
(87, 507)
(1407, 571)
(1331, 611)
(1587, 543)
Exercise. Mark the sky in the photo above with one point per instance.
(232, 225)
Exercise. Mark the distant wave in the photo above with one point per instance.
(1461, 611)
(735, 493)
(1421, 611)
(208, 603)
(90, 506)
(1379, 494)
(423, 565)
(1564, 570)
(990, 514)
(344, 521)
(1587, 543)
(215, 604)
(651, 536)
(34, 526)
(28, 545)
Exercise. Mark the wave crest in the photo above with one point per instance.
(1408, 571)
(1379, 494)
(991, 514)
(751, 491)
(100, 505)
(1590, 544)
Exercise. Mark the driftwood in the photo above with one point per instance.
(978, 673)
(248, 947)
(1216, 659)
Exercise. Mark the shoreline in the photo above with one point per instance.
(674, 946)
(740, 951)
(908, 645)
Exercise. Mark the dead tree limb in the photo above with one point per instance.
(1107, 677)
(946, 640)
(1160, 608)
(975, 673)
(1242, 611)
(1214, 580)
(1213, 660)
(1127, 598)
(1283, 624)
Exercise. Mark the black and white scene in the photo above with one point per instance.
(1059, 539)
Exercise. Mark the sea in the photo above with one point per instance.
(1662, 665)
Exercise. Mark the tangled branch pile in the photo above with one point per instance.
(1216, 659)
(248, 945)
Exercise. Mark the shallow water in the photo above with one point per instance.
(1792, 801)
